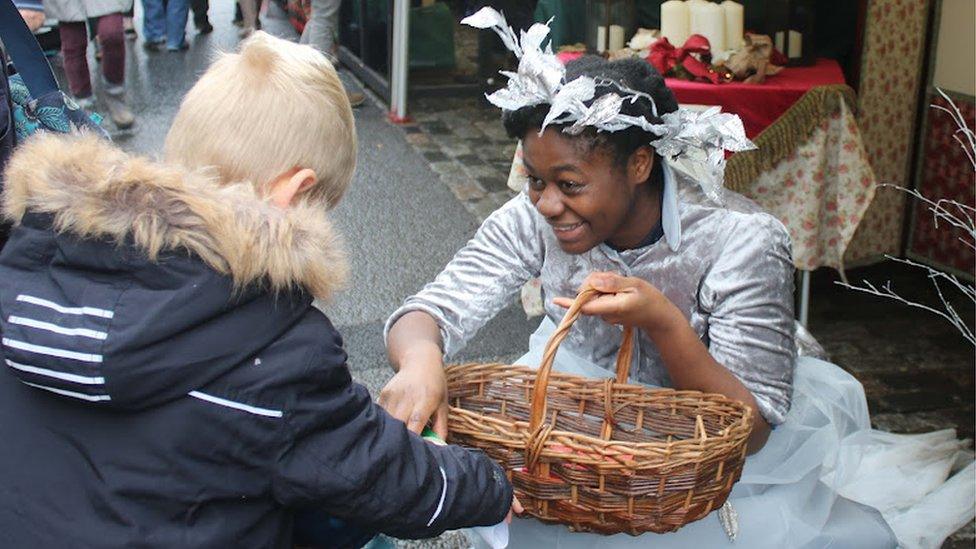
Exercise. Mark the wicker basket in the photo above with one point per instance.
(600, 455)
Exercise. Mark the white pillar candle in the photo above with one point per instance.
(674, 22)
(796, 45)
(693, 13)
(779, 42)
(616, 37)
(734, 24)
(601, 39)
(708, 20)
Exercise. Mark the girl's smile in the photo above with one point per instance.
(586, 196)
(569, 232)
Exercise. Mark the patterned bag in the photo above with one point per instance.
(30, 100)
(51, 112)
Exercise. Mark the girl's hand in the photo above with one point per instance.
(627, 301)
(418, 392)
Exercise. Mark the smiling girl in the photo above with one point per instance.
(624, 195)
(709, 285)
(713, 299)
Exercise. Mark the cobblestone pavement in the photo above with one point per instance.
(918, 373)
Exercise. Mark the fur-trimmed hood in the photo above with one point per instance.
(94, 190)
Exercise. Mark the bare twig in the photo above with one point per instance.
(952, 213)
(888, 292)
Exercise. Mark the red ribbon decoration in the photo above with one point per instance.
(664, 56)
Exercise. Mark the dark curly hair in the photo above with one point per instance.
(632, 73)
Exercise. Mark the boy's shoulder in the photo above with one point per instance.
(305, 357)
(311, 344)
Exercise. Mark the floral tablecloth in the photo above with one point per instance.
(810, 170)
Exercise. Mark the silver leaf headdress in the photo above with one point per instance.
(691, 142)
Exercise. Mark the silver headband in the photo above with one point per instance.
(691, 142)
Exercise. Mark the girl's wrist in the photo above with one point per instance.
(665, 325)
(421, 353)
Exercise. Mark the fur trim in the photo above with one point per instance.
(96, 190)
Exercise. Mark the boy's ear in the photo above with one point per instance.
(290, 185)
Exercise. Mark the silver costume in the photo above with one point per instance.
(726, 265)
(731, 275)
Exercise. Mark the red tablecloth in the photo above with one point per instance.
(759, 105)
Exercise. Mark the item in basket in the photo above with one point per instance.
(432, 437)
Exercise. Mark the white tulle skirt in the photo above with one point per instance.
(823, 479)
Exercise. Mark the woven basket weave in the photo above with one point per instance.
(600, 455)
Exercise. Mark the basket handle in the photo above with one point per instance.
(539, 391)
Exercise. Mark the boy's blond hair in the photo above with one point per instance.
(272, 106)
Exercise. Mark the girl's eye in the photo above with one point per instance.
(536, 184)
(571, 186)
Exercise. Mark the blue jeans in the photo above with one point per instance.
(165, 18)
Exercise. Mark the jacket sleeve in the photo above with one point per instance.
(748, 293)
(505, 253)
(347, 456)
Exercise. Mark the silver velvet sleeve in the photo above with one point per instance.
(483, 276)
(749, 295)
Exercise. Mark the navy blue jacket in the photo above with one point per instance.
(160, 403)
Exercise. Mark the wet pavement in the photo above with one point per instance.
(420, 191)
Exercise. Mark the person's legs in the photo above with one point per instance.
(153, 21)
(74, 51)
(177, 12)
(320, 34)
(320, 30)
(200, 18)
(110, 36)
(249, 13)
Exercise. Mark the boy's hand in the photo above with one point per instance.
(418, 392)
(627, 301)
(516, 509)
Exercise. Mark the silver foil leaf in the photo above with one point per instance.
(729, 519)
(544, 70)
(691, 142)
(488, 18)
(571, 98)
(600, 114)
(694, 143)
(631, 94)
(533, 38)
(540, 73)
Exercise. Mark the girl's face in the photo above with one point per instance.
(586, 198)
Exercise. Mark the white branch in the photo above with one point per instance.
(969, 145)
(887, 292)
(953, 213)
(966, 289)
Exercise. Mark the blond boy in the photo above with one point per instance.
(168, 382)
